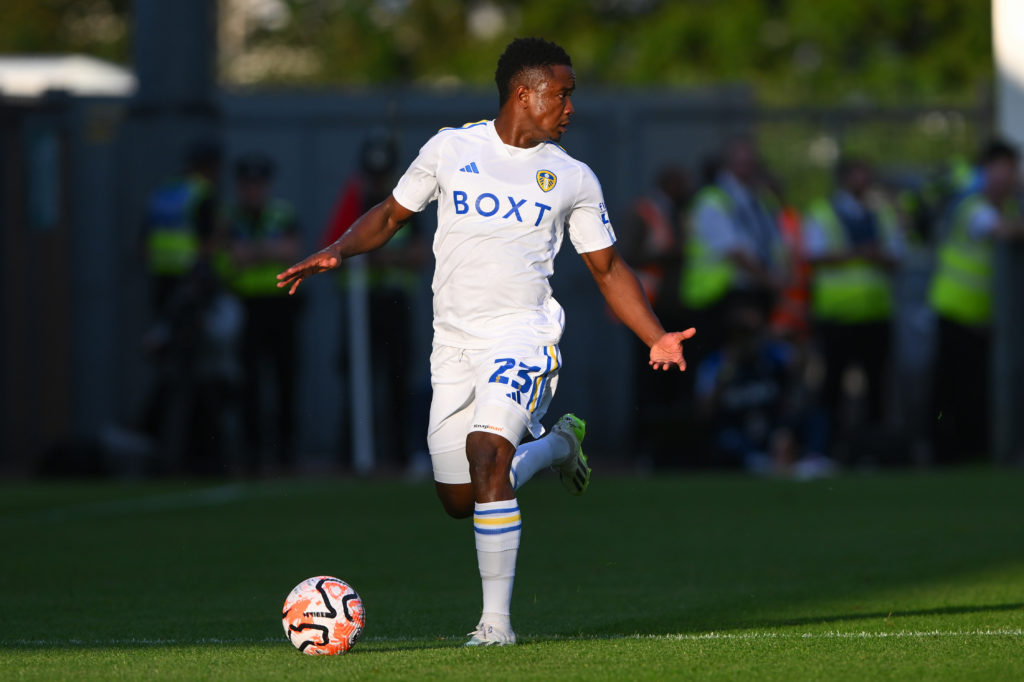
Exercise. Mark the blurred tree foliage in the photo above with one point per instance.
(96, 27)
(791, 51)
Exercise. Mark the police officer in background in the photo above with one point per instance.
(852, 240)
(181, 221)
(263, 238)
(179, 232)
(962, 297)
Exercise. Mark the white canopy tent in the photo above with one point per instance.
(33, 75)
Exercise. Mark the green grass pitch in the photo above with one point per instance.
(863, 577)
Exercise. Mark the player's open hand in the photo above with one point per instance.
(321, 261)
(668, 350)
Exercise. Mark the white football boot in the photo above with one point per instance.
(490, 634)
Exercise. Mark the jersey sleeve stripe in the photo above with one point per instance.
(465, 125)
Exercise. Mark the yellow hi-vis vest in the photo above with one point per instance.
(259, 279)
(961, 288)
(172, 241)
(707, 276)
(855, 291)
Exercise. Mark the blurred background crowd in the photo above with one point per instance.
(821, 189)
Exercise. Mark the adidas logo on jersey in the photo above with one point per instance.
(471, 168)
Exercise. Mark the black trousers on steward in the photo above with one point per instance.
(960, 390)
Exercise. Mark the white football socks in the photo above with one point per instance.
(536, 455)
(497, 526)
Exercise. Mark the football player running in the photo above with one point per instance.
(505, 192)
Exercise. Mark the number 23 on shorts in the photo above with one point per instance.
(524, 373)
(527, 378)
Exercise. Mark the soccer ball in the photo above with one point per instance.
(323, 615)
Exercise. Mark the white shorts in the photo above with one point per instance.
(505, 391)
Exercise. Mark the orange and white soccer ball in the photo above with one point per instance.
(323, 615)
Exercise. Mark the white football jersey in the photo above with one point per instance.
(501, 213)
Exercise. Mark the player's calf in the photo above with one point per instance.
(456, 498)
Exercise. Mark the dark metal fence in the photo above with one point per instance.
(112, 154)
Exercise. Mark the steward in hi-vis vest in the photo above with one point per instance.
(961, 289)
(716, 265)
(962, 295)
(858, 288)
(734, 241)
(180, 222)
(263, 234)
(262, 237)
(853, 241)
(733, 244)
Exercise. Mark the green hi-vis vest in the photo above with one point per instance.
(857, 290)
(961, 289)
(708, 276)
(259, 279)
(172, 242)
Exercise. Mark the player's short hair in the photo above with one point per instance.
(523, 54)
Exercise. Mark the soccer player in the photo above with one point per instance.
(505, 192)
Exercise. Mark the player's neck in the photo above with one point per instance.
(515, 132)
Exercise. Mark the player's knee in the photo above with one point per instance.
(481, 462)
(489, 455)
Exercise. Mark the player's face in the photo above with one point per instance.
(549, 104)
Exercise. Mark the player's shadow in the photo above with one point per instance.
(849, 617)
(684, 625)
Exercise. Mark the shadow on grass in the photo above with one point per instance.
(689, 626)
(853, 617)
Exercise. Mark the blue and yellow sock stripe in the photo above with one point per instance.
(497, 521)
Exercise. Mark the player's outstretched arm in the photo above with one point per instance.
(371, 231)
(621, 289)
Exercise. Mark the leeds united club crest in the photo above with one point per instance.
(546, 180)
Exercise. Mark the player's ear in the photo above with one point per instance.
(522, 95)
